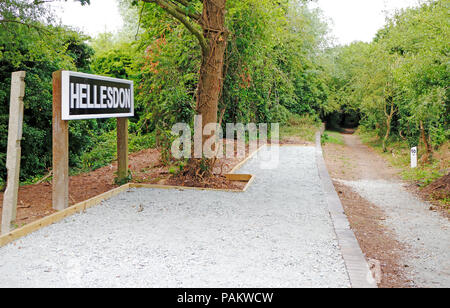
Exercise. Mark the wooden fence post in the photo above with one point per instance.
(122, 149)
(60, 192)
(9, 211)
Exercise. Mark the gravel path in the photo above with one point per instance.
(426, 233)
(277, 234)
(421, 235)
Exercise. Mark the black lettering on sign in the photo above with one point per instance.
(89, 97)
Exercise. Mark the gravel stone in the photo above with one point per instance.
(425, 233)
(277, 234)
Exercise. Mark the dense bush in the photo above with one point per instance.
(277, 68)
(40, 53)
(399, 82)
(271, 67)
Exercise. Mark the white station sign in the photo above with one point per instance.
(86, 96)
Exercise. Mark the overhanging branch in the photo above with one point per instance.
(26, 24)
(182, 16)
(195, 16)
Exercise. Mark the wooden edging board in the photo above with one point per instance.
(155, 186)
(82, 206)
(238, 177)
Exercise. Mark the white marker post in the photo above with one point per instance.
(9, 212)
(414, 158)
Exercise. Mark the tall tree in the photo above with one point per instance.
(209, 28)
(399, 82)
(212, 37)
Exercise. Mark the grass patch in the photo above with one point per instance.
(105, 150)
(301, 127)
(332, 137)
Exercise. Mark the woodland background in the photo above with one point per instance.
(281, 65)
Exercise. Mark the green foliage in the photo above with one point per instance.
(39, 54)
(29, 42)
(277, 69)
(23, 12)
(422, 175)
(165, 141)
(103, 152)
(178, 167)
(303, 127)
(400, 157)
(103, 149)
(116, 62)
(128, 179)
(139, 142)
(406, 66)
(332, 137)
(168, 77)
(271, 69)
(29, 13)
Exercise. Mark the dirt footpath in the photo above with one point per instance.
(395, 229)
(355, 161)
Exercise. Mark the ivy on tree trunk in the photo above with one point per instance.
(209, 28)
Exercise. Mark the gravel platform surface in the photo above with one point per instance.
(426, 234)
(277, 234)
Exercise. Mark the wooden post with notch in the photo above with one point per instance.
(9, 211)
(122, 149)
(60, 192)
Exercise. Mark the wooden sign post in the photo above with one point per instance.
(60, 191)
(78, 96)
(9, 211)
(122, 149)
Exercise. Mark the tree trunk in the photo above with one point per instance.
(213, 41)
(388, 132)
(211, 71)
(388, 125)
(210, 80)
(429, 148)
